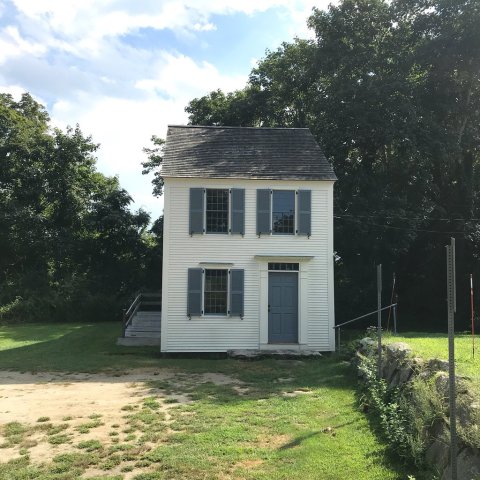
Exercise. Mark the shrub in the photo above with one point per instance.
(405, 414)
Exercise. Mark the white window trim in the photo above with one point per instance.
(216, 315)
(296, 213)
(295, 194)
(229, 225)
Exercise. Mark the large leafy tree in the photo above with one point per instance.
(391, 92)
(71, 246)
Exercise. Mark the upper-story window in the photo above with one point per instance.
(217, 210)
(283, 211)
(286, 212)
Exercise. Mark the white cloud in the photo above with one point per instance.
(74, 54)
(13, 45)
(180, 77)
(83, 24)
(124, 126)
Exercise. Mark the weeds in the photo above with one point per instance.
(86, 427)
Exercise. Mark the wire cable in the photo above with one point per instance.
(412, 229)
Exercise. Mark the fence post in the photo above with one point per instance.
(395, 319)
(452, 307)
(379, 318)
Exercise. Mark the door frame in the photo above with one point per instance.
(303, 261)
(297, 272)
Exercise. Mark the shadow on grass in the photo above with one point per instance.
(299, 440)
(69, 347)
(92, 348)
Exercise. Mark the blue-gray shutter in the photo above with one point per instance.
(194, 297)
(264, 212)
(197, 196)
(238, 210)
(304, 212)
(236, 292)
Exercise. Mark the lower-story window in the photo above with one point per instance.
(216, 292)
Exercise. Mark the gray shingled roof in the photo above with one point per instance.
(244, 152)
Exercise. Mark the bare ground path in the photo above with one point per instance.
(135, 415)
(76, 398)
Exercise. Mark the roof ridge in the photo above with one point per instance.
(236, 127)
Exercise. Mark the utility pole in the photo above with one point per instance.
(452, 308)
(379, 318)
(473, 315)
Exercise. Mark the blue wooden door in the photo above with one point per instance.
(283, 307)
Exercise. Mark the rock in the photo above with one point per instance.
(442, 384)
(397, 366)
(468, 465)
(468, 411)
(368, 346)
(257, 354)
(389, 368)
(436, 365)
(417, 364)
(404, 374)
(399, 350)
(438, 454)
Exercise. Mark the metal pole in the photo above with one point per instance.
(473, 315)
(391, 301)
(395, 319)
(451, 303)
(338, 339)
(379, 318)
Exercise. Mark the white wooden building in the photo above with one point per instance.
(248, 241)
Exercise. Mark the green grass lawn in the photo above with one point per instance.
(435, 345)
(291, 420)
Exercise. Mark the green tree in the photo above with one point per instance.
(391, 92)
(154, 162)
(71, 247)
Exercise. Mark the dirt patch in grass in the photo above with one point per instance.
(76, 409)
(87, 405)
(273, 441)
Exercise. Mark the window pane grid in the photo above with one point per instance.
(217, 210)
(283, 212)
(216, 287)
(283, 266)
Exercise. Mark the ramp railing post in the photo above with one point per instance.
(379, 318)
(395, 315)
(452, 307)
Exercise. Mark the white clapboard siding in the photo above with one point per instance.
(182, 251)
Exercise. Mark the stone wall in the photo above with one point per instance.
(400, 366)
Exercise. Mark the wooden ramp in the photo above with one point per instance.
(142, 321)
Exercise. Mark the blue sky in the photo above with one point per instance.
(124, 70)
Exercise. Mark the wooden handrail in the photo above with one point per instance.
(135, 305)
